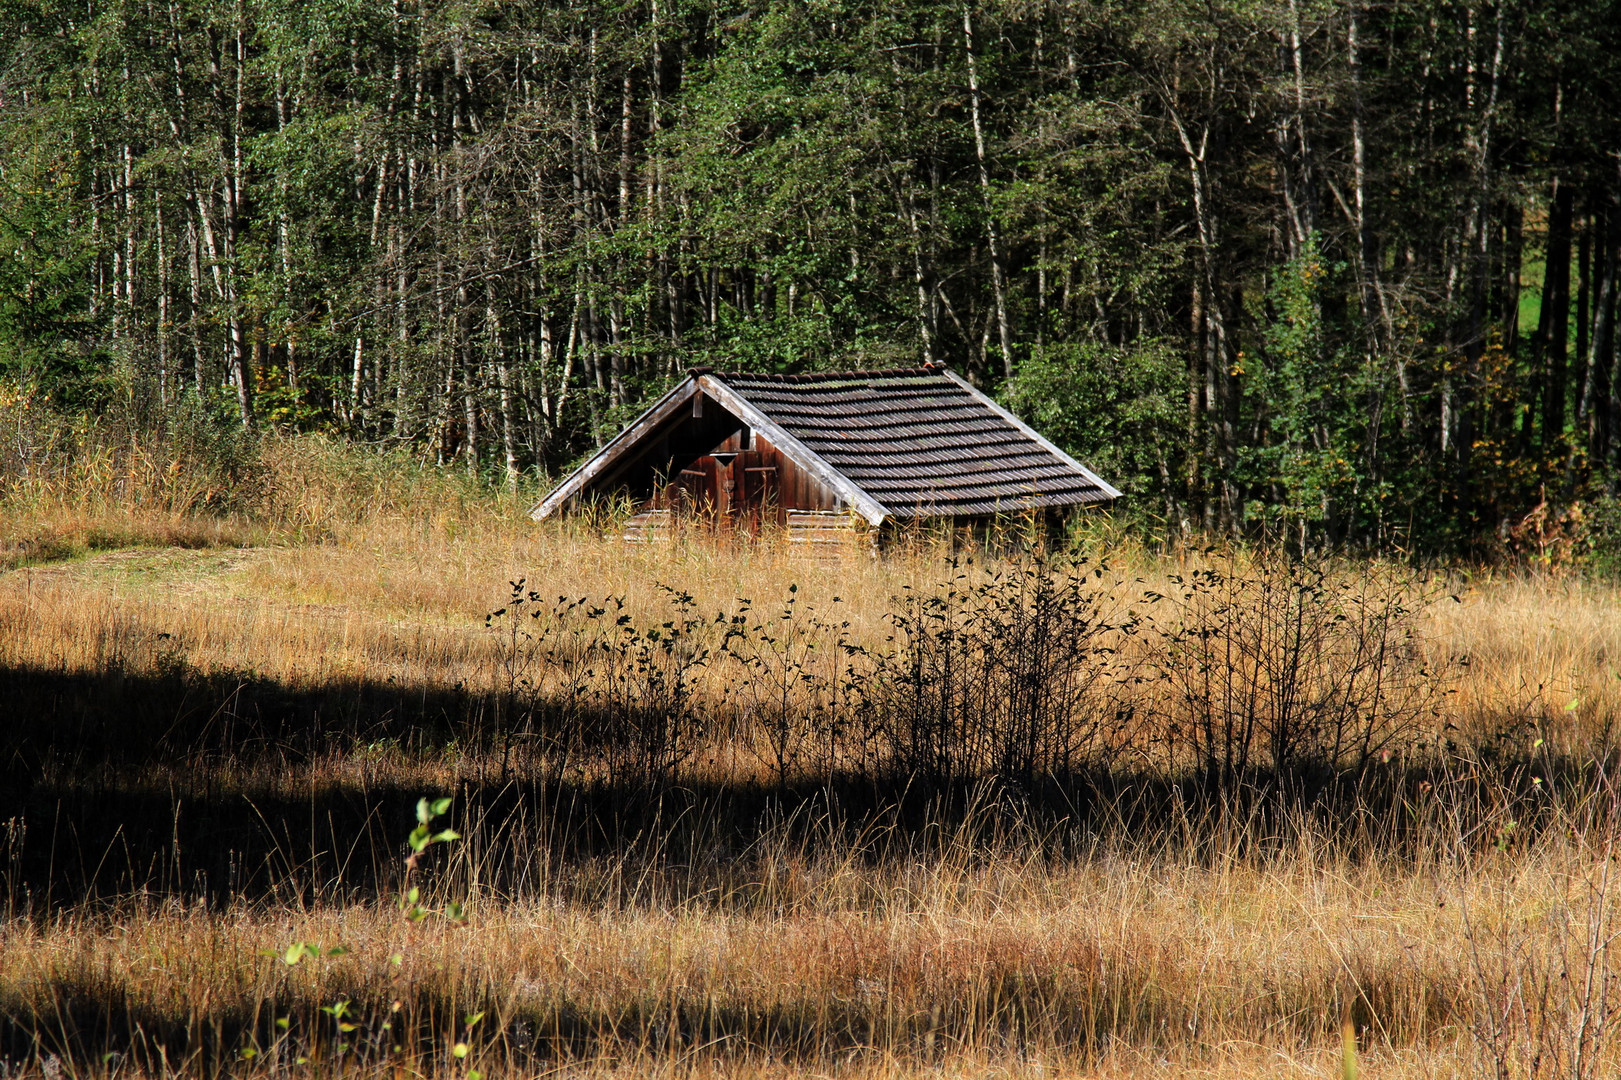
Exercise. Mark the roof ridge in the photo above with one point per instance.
(824, 376)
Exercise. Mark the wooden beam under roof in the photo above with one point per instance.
(663, 409)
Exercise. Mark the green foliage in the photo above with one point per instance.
(1309, 390)
(355, 1031)
(1118, 409)
(48, 332)
(299, 951)
(423, 834)
(420, 840)
(1600, 539)
(490, 234)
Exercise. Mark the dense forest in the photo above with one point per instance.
(1341, 271)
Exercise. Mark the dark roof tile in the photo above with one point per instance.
(918, 441)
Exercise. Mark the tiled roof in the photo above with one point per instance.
(920, 441)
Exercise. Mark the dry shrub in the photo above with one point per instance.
(1024, 672)
(193, 463)
(192, 476)
(1008, 672)
(72, 485)
(1290, 665)
(316, 488)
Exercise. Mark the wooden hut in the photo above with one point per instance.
(816, 454)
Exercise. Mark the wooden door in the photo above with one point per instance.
(694, 491)
(757, 492)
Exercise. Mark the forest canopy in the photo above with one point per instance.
(1343, 272)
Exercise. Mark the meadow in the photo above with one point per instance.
(324, 762)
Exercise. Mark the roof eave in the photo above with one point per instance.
(1016, 504)
(1109, 490)
(660, 411)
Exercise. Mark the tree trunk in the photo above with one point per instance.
(1598, 407)
(1584, 285)
(992, 234)
(1475, 264)
(241, 368)
(161, 337)
(1553, 326)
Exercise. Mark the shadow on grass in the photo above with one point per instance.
(1000, 1009)
(224, 788)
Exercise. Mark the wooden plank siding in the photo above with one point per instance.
(829, 535)
(750, 489)
(648, 527)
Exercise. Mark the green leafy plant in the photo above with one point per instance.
(352, 1031)
(423, 837)
(299, 951)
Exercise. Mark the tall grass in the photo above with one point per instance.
(979, 943)
(728, 812)
(191, 477)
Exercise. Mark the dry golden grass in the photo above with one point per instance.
(1120, 967)
(1543, 650)
(365, 547)
(975, 946)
